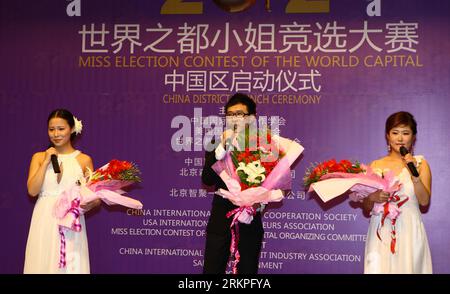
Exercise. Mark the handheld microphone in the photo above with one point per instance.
(412, 168)
(55, 164)
(228, 144)
(229, 141)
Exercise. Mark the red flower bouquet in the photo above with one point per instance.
(331, 179)
(255, 175)
(315, 173)
(104, 183)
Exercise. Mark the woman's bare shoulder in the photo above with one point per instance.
(39, 156)
(379, 162)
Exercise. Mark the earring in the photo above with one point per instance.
(389, 148)
(412, 150)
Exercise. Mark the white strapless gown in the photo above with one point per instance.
(412, 253)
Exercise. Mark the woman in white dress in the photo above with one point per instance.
(403, 247)
(44, 241)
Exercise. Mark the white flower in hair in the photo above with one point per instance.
(78, 127)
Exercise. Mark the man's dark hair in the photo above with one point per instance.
(240, 98)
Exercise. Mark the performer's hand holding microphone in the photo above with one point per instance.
(227, 137)
(409, 161)
(53, 158)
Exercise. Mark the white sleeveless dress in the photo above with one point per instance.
(43, 245)
(412, 253)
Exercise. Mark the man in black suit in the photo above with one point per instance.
(218, 235)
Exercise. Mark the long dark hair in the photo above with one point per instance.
(67, 116)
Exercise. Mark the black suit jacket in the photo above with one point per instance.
(218, 222)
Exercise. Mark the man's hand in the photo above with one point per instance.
(227, 135)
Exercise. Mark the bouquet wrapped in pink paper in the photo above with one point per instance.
(255, 176)
(331, 179)
(105, 184)
(258, 175)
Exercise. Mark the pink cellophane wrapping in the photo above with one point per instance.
(361, 185)
(270, 190)
(108, 191)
